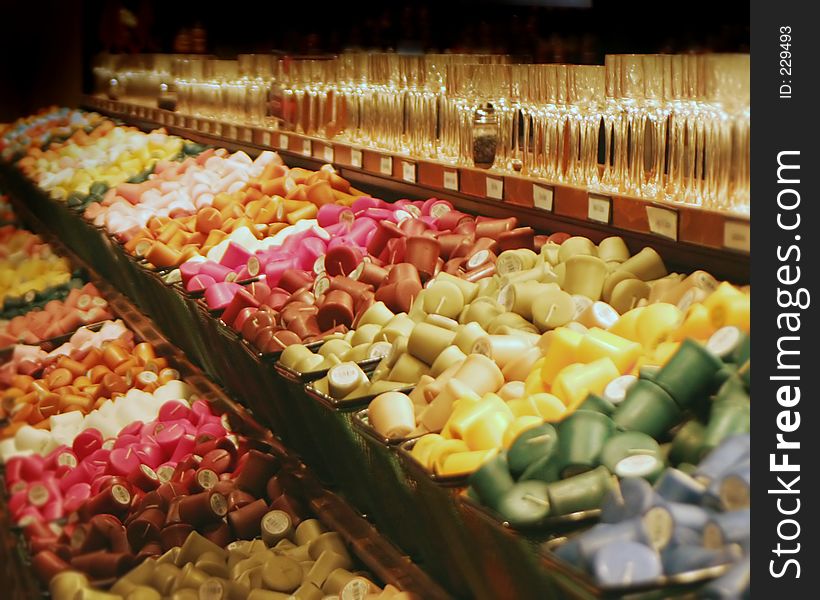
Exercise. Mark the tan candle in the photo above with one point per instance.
(613, 249)
(646, 265)
(392, 414)
(377, 313)
(576, 246)
(435, 415)
(552, 309)
(505, 348)
(520, 297)
(519, 367)
(448, 357)
(365, 334)
(443, 322)
(408, 369)
(344, 378)
(510, 319)
(627, 294)
(585, 275)
(613, 279)
(427, 341)
(514, 261)
(468, 288)
(660, 288)
(399, 325)
(444, 298)
(481, 312)
(598, 314)
(417, 395)
(549, 252)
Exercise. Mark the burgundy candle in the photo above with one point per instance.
(246, 521)
(337, 309)
(423, 253)
(255, 473)
(492, 228)
(342, 260)
(174, 535)
(385, 231)
(521, 237)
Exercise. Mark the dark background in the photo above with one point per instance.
(46, 44)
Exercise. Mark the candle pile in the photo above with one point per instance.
(30, 272)
(685, 523)
(108, 156)
(82, 306)
(48, 126)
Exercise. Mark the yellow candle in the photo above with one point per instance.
(627, 325)
(696, 324)
(664, 351)
(427, 341)
(561, 352)
(657, 322)
(487, 431)
(598, 343)
(465, 413)
(424, 446)
(572, 385)
(463, 463)
(442, 450)
(733, 311)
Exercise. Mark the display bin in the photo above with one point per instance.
(294, 407)
(512, 556)
(571, 582)
(397, 515)
(436, 497)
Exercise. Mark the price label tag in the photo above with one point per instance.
(386, 165)
(216, 128)
(283, 141)
(356, 157)
(247, 134)
(408, 171)
(266, 138)
(542, 196)
(663, 221)
(599, 208)
(451, 180)
(328, 154)
(495, 188)
(737, 235)
(307, 150)
(231, 132)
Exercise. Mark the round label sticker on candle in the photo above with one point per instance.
(506, 297)
(735, 493)
(109, 444)
(165, 472)
(206, 479)
(344, 374)
(98, 301)
(211, 590)
(276, 522)
(231, 277)
(319, 264)
(509, 263)
(83, 301)
(66, 459)
(355, 589)
(320, 286)
(687, 299)
(147, 377)
(379, 350)
(638, 465)
(438, 210)
(18, 487)
(402, 215)
(56, 529)
(219, 505)
(25, 521)
(616, 390)
(413, 210)
(478, 259)
(120, 494)
(253, 266)
(581, 304)
(724, 341)
(659, 526)
(29, 296)
(149, 472)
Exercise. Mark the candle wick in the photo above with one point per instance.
(550, 311)
(341, 268)
(633, 303)
(440, 304)
(535, 499)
